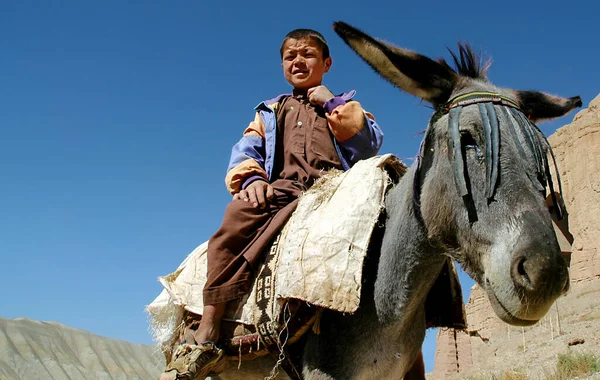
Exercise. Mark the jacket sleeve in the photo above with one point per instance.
(247, 161)
(358, 134)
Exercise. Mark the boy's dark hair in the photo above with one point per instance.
(299, 34)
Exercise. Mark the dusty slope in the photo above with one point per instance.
(48, 350)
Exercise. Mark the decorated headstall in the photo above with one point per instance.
(524, 133)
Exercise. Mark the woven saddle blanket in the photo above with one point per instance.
(317, 259)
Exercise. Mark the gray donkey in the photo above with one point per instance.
(476, 194)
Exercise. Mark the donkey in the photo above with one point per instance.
(476, 195)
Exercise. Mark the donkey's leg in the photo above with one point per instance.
(331, 354)
(258, 368)
(417, 371)
(316, 374)
(316, 363)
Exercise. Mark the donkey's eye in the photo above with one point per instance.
(467, 140)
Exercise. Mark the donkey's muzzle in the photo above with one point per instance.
(539, 275)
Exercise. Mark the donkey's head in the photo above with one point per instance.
(480, 182)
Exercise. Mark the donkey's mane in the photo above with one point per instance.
(467, 63)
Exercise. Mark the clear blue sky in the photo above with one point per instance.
(116, 123)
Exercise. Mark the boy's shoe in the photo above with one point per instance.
(194, 362)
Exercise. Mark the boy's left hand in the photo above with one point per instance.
(319, 95)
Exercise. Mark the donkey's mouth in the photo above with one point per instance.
(503, 313)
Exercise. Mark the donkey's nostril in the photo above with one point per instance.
(520, 274)
(521, 271)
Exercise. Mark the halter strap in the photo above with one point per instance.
(478, 97)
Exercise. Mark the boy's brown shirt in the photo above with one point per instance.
(304, 142)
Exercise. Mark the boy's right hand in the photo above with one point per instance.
(257, 193)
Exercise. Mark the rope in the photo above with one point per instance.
(287, 317)
(240, 355)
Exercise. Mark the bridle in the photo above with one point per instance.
(522, 131)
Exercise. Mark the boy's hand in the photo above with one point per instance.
(257, 193)
(319, 95)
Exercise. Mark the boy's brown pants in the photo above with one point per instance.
(237, 246)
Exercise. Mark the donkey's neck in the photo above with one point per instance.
(409, 262)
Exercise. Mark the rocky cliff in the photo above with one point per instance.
(577, 150)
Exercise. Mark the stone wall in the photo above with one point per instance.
(452, 354)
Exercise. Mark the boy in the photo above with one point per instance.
(292, 139)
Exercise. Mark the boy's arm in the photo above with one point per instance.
(355, 129)
(247, 160)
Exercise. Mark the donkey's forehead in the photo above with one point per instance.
(469, 119)
(470, 116)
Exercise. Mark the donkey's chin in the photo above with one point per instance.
(510, 316)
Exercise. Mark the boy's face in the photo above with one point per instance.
(303, 63)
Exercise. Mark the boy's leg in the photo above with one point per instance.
(244, 235)
(211, 319)
(229, 274)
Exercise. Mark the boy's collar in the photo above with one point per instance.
(267, 103)
(300, 94)
(297, 92)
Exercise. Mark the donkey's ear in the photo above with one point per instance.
(412, 72)
(539, 106)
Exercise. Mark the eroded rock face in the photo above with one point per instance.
(482, 322)
(577, 150)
